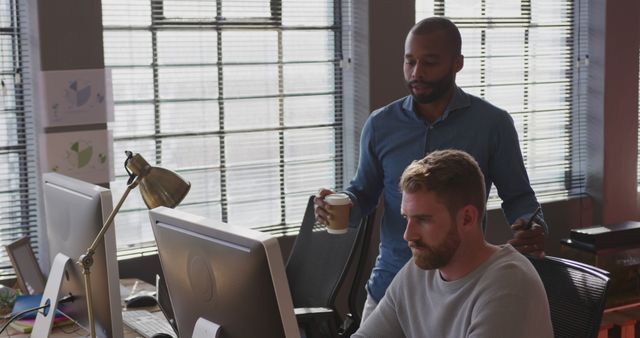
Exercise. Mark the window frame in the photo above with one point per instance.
(23, 219)
(219, 24)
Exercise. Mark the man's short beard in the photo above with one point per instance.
(440, 88)
(436, 257)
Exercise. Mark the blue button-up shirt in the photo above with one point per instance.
(396, 134)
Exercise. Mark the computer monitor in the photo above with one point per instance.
(74, 213)
(229, 275)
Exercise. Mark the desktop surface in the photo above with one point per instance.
(62, 332)
(127, 287)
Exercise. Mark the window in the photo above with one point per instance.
(18, 181)
(519, 55)
(243, 98)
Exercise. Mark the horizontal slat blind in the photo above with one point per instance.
(18, 192)
(520, 55)
(243, 98)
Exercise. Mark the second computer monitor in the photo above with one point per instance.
(74, 213)
(229, 275)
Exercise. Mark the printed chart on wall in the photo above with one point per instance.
(76, 97)
(83, 154)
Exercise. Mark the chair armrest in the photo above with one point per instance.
(317, 322)
(305, 313)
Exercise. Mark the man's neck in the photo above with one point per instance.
(432, 111)
(467, 259)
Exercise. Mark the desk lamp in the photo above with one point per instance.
(158, 187)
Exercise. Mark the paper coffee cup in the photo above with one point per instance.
(340, 205)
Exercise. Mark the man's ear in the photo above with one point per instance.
(459, 63)
(469, 216)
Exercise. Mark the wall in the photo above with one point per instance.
(70, 33)
(614, 32)
(389, 22)
(66, 34)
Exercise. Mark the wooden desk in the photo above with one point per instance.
(67, 331)
(625, 317)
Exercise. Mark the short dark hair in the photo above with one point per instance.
(453, 175)
(438, 23)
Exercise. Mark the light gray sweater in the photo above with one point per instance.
(503, 297)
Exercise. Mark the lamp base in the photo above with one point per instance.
(43, 324)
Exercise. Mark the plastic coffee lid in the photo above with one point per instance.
(337, 199)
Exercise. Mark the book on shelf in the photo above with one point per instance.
(25, 325)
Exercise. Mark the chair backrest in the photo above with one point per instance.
(576, 293)
(319, 261)
(366, 253)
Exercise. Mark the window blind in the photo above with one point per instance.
(18, 179)
(243, 98)
(527, 57)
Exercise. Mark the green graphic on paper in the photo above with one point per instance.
(84, 155)
(79, 154)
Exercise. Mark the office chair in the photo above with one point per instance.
(576, 293)
(316, 269)
(364, 261)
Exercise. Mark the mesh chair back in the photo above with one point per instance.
(318, 262)
(367, 253)
(576, 294)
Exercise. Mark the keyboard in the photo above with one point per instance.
(146, 323)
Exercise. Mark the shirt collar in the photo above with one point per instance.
(459, 100)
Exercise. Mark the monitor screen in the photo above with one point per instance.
(74, 213)
(229, 275)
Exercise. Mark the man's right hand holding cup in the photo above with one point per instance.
(332, 210)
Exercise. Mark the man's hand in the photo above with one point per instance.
(321, 207)
(531, 241)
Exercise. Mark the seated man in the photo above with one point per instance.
(456, 285)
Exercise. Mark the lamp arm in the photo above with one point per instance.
(86, 260)
(107, 224)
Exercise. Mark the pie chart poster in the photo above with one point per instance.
(85, 155)
(76, 97)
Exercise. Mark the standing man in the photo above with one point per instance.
(437, 115)
(457, 284)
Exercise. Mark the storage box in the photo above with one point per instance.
(623, 264)
(608, 236)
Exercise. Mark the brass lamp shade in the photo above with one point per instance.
(158, 186)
